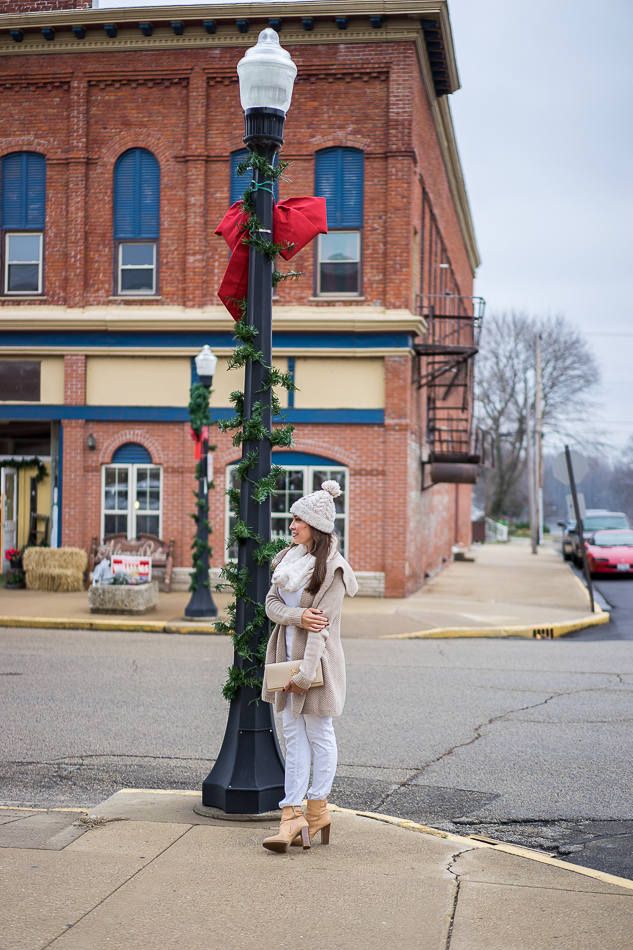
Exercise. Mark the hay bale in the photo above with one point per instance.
(55, 569)
(53, 559)
(60, 580)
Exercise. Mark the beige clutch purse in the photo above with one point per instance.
(278, 675)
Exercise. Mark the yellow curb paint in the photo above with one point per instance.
(140, 626)
(583, 588)
(559, 629)
(500, 846)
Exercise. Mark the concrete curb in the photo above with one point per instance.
(141, 626)
(474, 842)
(535, 631)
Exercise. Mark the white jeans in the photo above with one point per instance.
(304, 736)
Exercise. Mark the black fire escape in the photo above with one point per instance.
(445, 368)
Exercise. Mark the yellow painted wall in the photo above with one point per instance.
(138, 380)
(227, 381)
(339, 383)
(43, 500)
(51, 380)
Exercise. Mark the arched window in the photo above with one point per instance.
(23, 214)
(239, 183)
(339, 178)
(136, 221)
(131, 493)
(304, 473)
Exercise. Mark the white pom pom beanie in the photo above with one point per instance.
(318, 509)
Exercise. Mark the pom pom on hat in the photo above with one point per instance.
(332, 488)
(318, 509)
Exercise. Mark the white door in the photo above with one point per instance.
(9, 492)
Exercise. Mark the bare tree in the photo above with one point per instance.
(505, 389)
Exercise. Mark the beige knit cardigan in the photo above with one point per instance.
(308, 646)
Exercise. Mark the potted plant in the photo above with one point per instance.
(15, 574)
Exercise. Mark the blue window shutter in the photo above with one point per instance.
(239, 183)
(132, 453)
(23, 187)
(339, 178)
(136, 195)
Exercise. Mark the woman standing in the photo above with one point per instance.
(309, 583)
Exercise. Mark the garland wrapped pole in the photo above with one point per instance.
(248, 776)
(201, 603)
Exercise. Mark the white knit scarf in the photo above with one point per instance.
(295, 568)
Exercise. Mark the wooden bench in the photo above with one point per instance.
(146, 545)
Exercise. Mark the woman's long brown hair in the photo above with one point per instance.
(320, 549)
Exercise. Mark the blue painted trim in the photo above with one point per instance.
(336, 416)
(291, 370)
(132, 453)
(197, 339)
(301, 458)
(181, 414)
(60, 481)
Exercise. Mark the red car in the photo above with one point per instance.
(610, 552)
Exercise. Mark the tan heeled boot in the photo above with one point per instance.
(293, 825)
(319, 819)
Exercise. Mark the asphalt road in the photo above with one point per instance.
(528, 741)
(615, 594)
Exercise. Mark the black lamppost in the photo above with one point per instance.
(201, 603)
(248, 776)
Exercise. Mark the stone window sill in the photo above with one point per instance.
(133, 297)
(336, 299)
(36, 297)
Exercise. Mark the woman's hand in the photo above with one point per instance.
(293, 688)
(314, 620)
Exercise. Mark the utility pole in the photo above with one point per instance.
(530, 471)
(538, 439)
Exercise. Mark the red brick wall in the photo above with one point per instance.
(74, 380)
(85, 111)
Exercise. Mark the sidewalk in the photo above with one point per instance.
(147, 873)
(505, 591)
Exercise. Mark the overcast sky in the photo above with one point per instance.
(544, 126)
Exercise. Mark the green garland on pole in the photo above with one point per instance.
(34, 462)
(199, 417)
(253, 429)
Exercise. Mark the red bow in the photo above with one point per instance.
(296, 221)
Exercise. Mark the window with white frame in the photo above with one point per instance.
(23, 263)
(137, 268)
(136, 222)
(338, 270)
(23, 217)
(339, 178)
(297, 481)
(131, 500)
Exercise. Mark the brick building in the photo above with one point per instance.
(120, 132)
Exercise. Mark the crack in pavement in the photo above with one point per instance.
(475, 738)
(451, 921)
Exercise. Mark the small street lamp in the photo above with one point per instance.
(201, 603)
(248, 776)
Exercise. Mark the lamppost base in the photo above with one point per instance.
(201, 605)
(208, 812)
(248, 775)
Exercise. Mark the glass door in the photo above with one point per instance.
(131, 500)
(9, 493)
